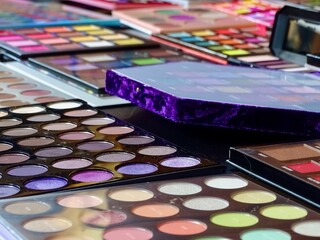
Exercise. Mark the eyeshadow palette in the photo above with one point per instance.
(69, 144)
(22, 14)
(225, 43)
(46, 41)
(294, 166)
(174, 19)
(261, 12)
(89, 70)
(221, 207)
(223, 96)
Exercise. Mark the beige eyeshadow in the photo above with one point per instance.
(291, 152)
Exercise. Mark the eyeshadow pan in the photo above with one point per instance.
(253, 197)
(11, 80)
(180, 188)
(131, 194)
(116, 130)
(43, 118)
(226, 182)
(27, 170)
(157, 150)
(13, 103)
(7, 190)
(137, 168)
(27, 208)
(265, 234)
(307, 228)
(234, 219)
(98, 121)
(51, 152)
(65, 105)
(9, 122)
(22, 86)
(305, 167)
(47, 225)
(3, 113)
(115, 157)
(81, 113)
(76, 136)
(18, 132)
(206, 203)
(136, 140)
(72, 163)
(291, 152)
(128, 233)
(92, 175)
(28, 110)
(46, 183)
(182, 227)
(5, 146)
(59, 126)
(95, 146)
(48, 99)
(180, 162)
(283, 212)
(12, 158)
(79, 201)
(99, 218)
(155, 210)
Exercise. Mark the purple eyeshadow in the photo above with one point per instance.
(27, 170)
(53, 152)
(7, 190)
(137, 168)
(180, 162)
(115, 157)
(92, 175)
(95, 146)
(46, 183)
(72, 163)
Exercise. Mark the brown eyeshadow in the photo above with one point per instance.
(291, 152)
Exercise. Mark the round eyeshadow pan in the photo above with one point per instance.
(19, 132)
(180, 162)
(12, 158)
(6, 96)
(115, 157)
(128, 233)
(98, 121)
(182, 227)
(3, 113)
(36, 141)
(99, 218)
(227, 182)
(28, 110)
(254, 197)
(265, 234)
(27, 170)
(283, 212)
(234, 219)
(43, 118)
(79, 201)
(92, 175)
(136, 140)
(59, 126)
(22, 86)
(206, 203)
(180, 188)
(72, 163)
(81, 113)
(7, 190)
(156, 210)
(13, 103)
(27, 208)
(95, 146)
(53, 152)
(157, 150)
(35, 92)
(307, 228)
(137, 168)
(64, 105)
(10, 122)
(46, 183)
(76, 136)
(115, 130)
(47, 225)
(48, 99)
(131, 194)
(5, 146)
(11, 80)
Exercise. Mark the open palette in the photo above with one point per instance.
(173, 19)
(69, 144)
(88, 71)
(223, 96)
(23, 13)
(294, 166)
(220, 207)
(46, 41)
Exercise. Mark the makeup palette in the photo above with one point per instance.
(224, 43)
(174, 19)
(22, 14)
(223, 96)
(46, 41)
(69, 144)
(89, 70)
(222, 207)
(294, 166)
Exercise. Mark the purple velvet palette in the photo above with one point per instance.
(220, 207)
(223, 96)
(69, 144)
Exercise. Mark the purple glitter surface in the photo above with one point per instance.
(92, 176)
(46, 183)
(137, 168)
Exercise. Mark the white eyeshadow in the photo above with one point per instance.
(98, 44)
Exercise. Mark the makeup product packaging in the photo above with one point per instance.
(223, 96)
(174, 19)
(27, 14)
(222, 207)
(88, 71)
(48, 41)
(69, 144)
(293, 166)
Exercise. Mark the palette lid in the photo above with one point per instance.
(223, 96)
(296, 32)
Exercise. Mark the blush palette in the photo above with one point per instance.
(220, 207)
(294, 166)
(69, 144)
(88, 71)
(30, 42)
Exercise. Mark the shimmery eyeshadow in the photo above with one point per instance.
(3, 113)
(28, 110)
(180, 162)
(54, 41)
(22, 43)
(92, 175)
(131, 194)
(136, 140)
(46, 183)
(36, 141)
(37, 48)
(43, 118)
(226, 182)
(7, 190)
(137, 168)
(157, 150)
(65, 105)
(115, 157)
(155, 210)
(53, 152)
(76, 136)
(254, 197)
(27, 208)
(116, 130)
(79, 201)
(129, 41)
(205, 203)
(128, 233)
(48, 99)
(67, 46)
(98, 58)
(59, 126)
(35, 92)
(72, 163)
(98, 121)
(5, 146)
(307, 228)
(47, 225)
(100, 218)
(12, 158)
(27, 170)
(13, 103)
(81, 113)
(18, 132)
(265, 234)
(234, 219)
(182, 227)
(180, 188)
(95, 146)
(283, 212)
(98, 44)
(9, 122)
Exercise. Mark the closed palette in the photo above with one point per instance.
(69, 144)
(285, 164)
(173, 19)
(89, 70)
(20, 14)
(44, 41)
(219, 207)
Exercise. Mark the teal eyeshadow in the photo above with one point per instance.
(265, 234)
(179, 34)
(207, 43)
(192, 39)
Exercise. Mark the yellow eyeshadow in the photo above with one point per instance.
(114, 36)
(203, 33)
(100, 32)
(128, 41)
(86, 28)
(83, 39)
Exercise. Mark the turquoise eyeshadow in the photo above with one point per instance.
(179, 34)
(192, 39)
(265, 234)
(207, 43)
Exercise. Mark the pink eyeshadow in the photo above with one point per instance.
(37, 48)
(35, 92)
(317, 178)
(306, 167)
(22, 43)
(40, 35)
(67, 46)
(54, 41)
(11, 38)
